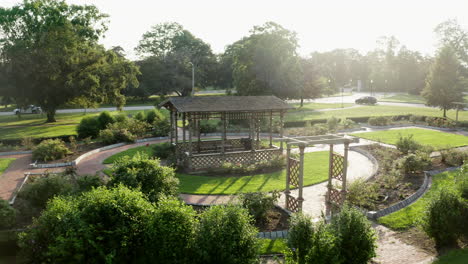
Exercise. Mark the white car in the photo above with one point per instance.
(32, 109)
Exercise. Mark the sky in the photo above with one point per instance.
(320, 25)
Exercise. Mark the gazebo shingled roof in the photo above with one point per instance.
(225, 104)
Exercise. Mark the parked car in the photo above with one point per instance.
(31, 109)
(366, 100)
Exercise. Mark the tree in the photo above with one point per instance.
(51, 55)
(266, 62)
(450, 33)
(444, 83)
(312, 83)
(172, 50)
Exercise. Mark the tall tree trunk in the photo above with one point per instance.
(51, 116)
(302, 101)
(445, 112)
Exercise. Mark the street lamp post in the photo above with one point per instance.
(193, 78)
(386, 86)
(371, 91)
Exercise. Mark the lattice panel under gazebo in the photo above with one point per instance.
(337, 166)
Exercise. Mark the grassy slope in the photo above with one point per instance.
(315, 171)
(130, 152)
(272, 246)
(4, 163)
(409, 216)
(315, 106)
(459, 256)
(408, 98)
(437, 139)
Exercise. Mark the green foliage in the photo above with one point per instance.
(7, 215)
(407, 144)
(161, 127)
(100, 226)
(154, 115)
(276, 162)
(134, 126)
(325, 246)
(417, 118)
(121, 118)
(362, 194)
(347, 123)
(172, 231)
(116, 135)
(140, 116)
(461, 181)
(40, 190)
(88, 182)
(454, 157)
(141, 172)
(440, 122)
(356, 236)
(88, 127)
(413, 163)
(300, 236)
(258, 204)
(208, 127)
(50, 149)
(104, 119)
(332, 123)
(379, 121)
(226, 235)
(445, 218)
(163, 150)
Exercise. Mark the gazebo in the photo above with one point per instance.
(199, 155)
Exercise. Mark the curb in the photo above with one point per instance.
(15, 153)
(410, 126)
(370, 157)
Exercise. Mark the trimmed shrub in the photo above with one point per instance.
(462, 181)
(207, 127)
(379, 121)
(88, 127)
(100, 226)
(50, 149)
(347, 123)
(413, 163)
(325, 246)
(444, 218)
(135, 127)
(40, 190)
(258, 204)
(161, 127)
(332, 123)
(415, 119)
(356, 236)
(7, 215)
(226, 235)
(454, 157)
(362, 194)
(141, 172)
(406, 144)
(140, 116)
(153, 115)
(104, 119)
(116, 135)
(172, 232)
(163, 150)
(300, 236)
(121, 118)
(88, 182)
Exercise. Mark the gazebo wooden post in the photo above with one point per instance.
(172, 125)
(288, 176)
(183, 127)
(190, 149)
(257, 127)
(223, 135)
(458, 109)
(176, 128)
(330, 171)
(271, 128)
(300, 199)
(345, 170)
(252, 137)
(281, 129)
(198, 135)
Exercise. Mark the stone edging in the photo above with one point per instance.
(424, 187)
(15, 153)
(77, 160)
(273, 234)
(410, 125)
(370, 157)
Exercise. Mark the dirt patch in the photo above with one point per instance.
(277, 220)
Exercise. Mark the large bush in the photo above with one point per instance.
(7, 215)
(161, 127)
(406, 144)
(50, 149)
(362, 193)
(146, 174)
(153, 115)
(134, 126)
(258, 204)
(444, 220)
(88, 127)
(413, 163)
(356, 236)
(100, 226)
(116, 135)
(300, 236)
(226, 236)
(325, 246)
(332, 123)
(172, 232)
(88, 182)
(454, 157)
(104, 119)
(41, 189)
(163, 150)
(379, 121)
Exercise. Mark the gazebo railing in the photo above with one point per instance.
(215, 146)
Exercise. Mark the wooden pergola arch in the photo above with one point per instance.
(198, 155)
(337, 170)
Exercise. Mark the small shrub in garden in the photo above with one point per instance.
(325, 246)
(104, 119)
(207, 127)
(226, 235)
(332, 123)
(300, 236)
(161, 127)
(141, 172)
(153, 115)
(413, 163)
(135, 127)
(454, 157)
(258, 204)
(121, 118)
(27, 142)
(41, 189)
(379, 121)
(172, 232)
(7, 215)
(50, 149)
(72, 143)
(100, 226)
(88, 182)
(406, 144)
(362, 193)
(356, 236)
(462, 181)
(163, 150)
(444, 218)
(415, 119)
(88, 127)
(347, 123)
(440, 122)
(140, 116)
(116, 135)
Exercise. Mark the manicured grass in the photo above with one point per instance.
(409, 216)
(4, 163)
(404, 98)
(437, 139)
(130, 153)
(315, 171)
(459, 256)
(37, 131)
(376, 110)
(272, 246)
(316, 106)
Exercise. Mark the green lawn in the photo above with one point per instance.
(4, 163)
(315, 171)
(404, 98)
(409, 216)
(316, 106)
(437, 139)
(376, 110)
(130, 153)
(272, 246)
(459, 256)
